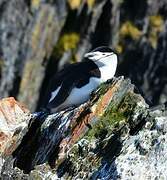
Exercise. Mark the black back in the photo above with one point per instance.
(74, 75)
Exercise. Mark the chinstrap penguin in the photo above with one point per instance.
(73, 85)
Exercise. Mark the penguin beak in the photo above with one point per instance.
(88, 55)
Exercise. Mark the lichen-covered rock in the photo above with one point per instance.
(14, 118)
(113, 135)
(143, 156)
(142, 47)
(105, 137)
(90, 141)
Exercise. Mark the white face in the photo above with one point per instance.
(97, 55)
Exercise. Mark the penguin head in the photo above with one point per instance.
(100, 54)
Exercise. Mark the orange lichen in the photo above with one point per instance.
(81, 123)
(11, 115)
(8, 108)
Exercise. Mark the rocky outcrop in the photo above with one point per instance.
(14, 119)
(113, 135)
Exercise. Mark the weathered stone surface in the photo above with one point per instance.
(68, 140)
(14, 17)
(14, 119)
(143, 41)
(96, 140)
(113, 135)
(60, 131)
(29, 31)
(144, 155)
(44, 32)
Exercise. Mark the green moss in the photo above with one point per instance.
(106, 124)
(74, 4)
(90, 3)
(128, 29)
(156, 21)
(98, 137)
(68, 41)
(35, 3)
(156, 24)
(113, 117)
(119, 48)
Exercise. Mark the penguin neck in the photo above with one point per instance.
(107, 67)
(103, 63)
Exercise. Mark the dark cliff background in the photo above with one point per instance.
(38, 37)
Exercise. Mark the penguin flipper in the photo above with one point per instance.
(61, 96)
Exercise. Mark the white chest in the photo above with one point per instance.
(80, 95)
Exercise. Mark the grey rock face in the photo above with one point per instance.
(143, 156)
(14, 18)
(144, 60)
(147, 67)
(28, 33)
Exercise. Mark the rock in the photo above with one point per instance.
(142, 58)
(143, 156)
(113, 135)
(44, 32)
(95, 140)
(14, 118)
(13, 27)
(28, 34)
